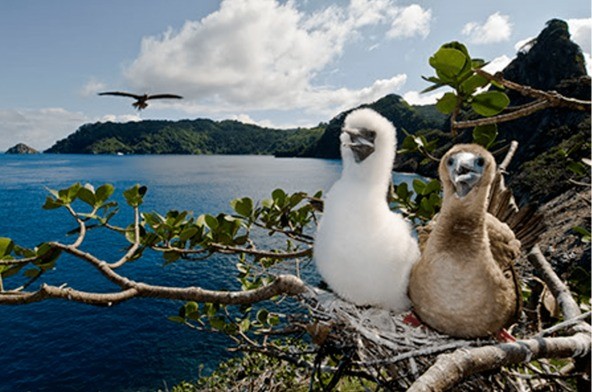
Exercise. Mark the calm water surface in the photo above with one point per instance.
(62, 346)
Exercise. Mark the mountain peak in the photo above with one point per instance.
(21, 148)
(552, 58)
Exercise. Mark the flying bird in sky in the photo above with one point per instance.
(465, 284)
(141, 100)
(362, 249)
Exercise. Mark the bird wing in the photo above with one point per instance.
(505, 249)
(159, 96)
(423, 232)
(121, 94)
(527, 222)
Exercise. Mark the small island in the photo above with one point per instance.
(21, 148)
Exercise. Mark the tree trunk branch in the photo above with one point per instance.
(283, 284)
(450, 369)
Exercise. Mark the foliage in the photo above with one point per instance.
(456, 69)
(186, 137)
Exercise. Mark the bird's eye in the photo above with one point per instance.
(450, 162)
(480, 161)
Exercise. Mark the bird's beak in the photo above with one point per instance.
(361, 142)
(465, 172)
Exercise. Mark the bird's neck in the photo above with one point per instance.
(373, 174)
(466, 215)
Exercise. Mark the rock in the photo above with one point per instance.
(21, 148)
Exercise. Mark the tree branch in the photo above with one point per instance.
(450, 369)
(553, 97)
(569, 307)
(132, 250)
(282, 284)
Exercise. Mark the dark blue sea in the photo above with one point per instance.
(63, 346)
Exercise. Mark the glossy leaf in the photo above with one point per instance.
(485, 135)
(448, 62)
(6, 246)
(103, 193)
(51, 203)
(472, 83)
(87, 196)
(447, 103)
(490, 103)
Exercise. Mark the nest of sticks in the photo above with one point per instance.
(385, 348)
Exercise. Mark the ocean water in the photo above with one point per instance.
(62, 346)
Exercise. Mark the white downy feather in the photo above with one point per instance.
(362, 249)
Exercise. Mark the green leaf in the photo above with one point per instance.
(273, 319)
(485, 135)
(244, 325)
(432, 186)
(490, 103)
(418, 186)
(188, 232)
(134, 196)
(279, 196)
(474, 82)
(103, 193)
(211, 221)
(87, 196)
(51, 203)
(6, 246)
(402, 191)
(262, 316)
(586, 235)
(447, 103)
(176, 319)
(243, 207)
(448, 62)
(577, 168)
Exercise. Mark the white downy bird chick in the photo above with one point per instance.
(362, 249)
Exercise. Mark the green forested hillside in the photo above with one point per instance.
(199, 136)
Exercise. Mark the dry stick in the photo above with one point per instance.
(556, 99)
(545, 99)
(132, 250)
(283, 284)
(450, 369)
(560, 291)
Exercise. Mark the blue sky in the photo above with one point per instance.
(275, 63)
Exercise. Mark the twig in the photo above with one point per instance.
(132, 250)
(525, 111)
(283, 284)
(509, 156)
(564, 325)
(450, 369)
(553, 97)
(569, 307)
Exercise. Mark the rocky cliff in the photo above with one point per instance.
(21, 148)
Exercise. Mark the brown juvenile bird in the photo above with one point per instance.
(464, 284)
(141, 99)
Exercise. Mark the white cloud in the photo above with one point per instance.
(264, 55)
(411, 21)
(524, 45)
(581, 30)
(122, 118)
(38, 128)
(92, 87)
(497, 64)
(416, 98)
(497, 28)
(244, 118)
